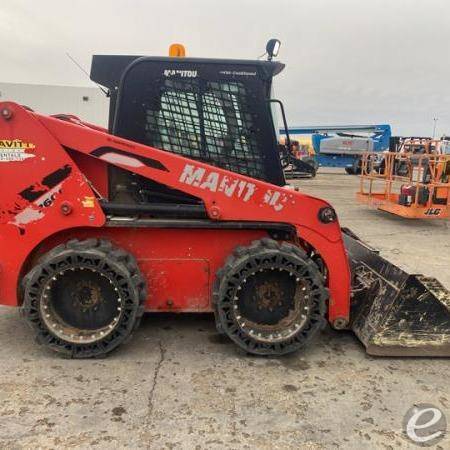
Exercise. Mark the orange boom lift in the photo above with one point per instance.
(413, 182)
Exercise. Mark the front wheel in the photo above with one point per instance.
(270, 298)
(84, 298)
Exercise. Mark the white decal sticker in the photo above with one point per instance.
(29, 214)
(244, 190)
(228, 186)
(115, 158)
(180, 73)
(32, 213)
(214, 182)
(211, 182)
(276, 199)
(240, 73)
(192, 175)
(15, 150)
(49, 197)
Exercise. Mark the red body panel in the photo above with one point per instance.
(226, 195)
(179, 265)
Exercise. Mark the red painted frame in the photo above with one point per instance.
(71, 209)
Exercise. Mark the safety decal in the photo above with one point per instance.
(88, 202)
(15, 150)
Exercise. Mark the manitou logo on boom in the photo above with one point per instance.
(212, 181)
(231, 187)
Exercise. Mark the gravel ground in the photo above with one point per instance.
(177, 384)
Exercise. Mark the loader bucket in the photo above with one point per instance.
(394, 313)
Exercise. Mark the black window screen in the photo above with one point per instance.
(210, 121)
(215, 113)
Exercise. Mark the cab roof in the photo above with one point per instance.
(107, 70)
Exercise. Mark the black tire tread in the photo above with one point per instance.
(105, 250)
(268, 245)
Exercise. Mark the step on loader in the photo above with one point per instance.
(179, 206)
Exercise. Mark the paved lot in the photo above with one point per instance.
(178, 385)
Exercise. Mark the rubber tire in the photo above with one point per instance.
(120, 262)
(238, 259)
(356, 168)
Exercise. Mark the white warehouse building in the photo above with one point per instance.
(88, 103)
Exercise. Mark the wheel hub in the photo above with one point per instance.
(268, 296)
(81, 305)
(272, 305)
(86, 295)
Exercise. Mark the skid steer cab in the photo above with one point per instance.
(179, 206)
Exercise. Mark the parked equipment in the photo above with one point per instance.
(296, 161)
(344, 145)
(413, 182)
(418, 146)
(179, 207)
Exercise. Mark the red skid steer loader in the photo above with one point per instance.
(179, 206)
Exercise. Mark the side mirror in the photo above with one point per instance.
(272, 48)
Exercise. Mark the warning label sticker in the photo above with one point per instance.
(15, 150)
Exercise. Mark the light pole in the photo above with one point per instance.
(435, 119)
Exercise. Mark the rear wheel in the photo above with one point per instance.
(270, 298)
(84, 298)
(355, 168)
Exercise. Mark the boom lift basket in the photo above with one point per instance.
(415, 186)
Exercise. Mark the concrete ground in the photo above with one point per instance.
(177, 384)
